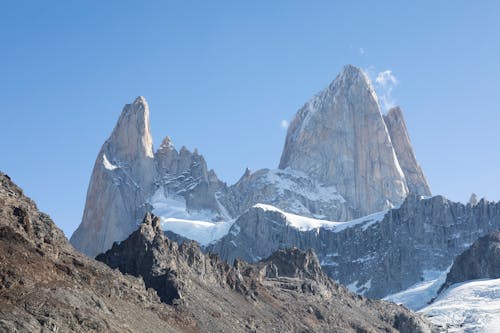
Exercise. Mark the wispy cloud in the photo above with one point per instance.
(361, 51)
(284, 124)
(385, 82)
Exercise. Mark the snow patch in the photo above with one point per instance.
(107, 164)
(306, 223)
(471, 307)
(421, 293)
(200, 225)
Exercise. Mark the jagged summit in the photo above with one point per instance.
(167, 144)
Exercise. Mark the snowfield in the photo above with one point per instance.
(200, 226)
(420, 294)
(469, 307)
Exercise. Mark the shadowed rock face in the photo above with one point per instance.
(340, 138)
(376, 258)
(288, 292)
(480, 261)
(47, 286)
(400, 139)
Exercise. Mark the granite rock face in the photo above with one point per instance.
(340, 138)
(288, 292)
(128, 174)
(47, 286)
(400, 139)
(120, 184)
(480, 261)
(376, 255)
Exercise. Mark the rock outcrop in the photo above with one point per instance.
(47, 286)
(480, 261)
(121, 183)
(415, 179)
(184, 174)
(287, 292)
(376, 255)
(340, 138)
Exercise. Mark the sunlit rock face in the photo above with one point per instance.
(120, 184)
(415, 179)
(340, 138)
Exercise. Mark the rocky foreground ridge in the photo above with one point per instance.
(47, 286)
(287, 292)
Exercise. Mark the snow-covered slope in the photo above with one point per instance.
(469, 307)
(422, 293)
(202, 226)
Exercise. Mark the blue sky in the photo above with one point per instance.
(221, 76)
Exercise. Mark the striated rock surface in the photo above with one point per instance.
(288, 292)
(400, 139)
(121, 183)
(376, 255)
(480, 261)
(47, 286)
(340, 138)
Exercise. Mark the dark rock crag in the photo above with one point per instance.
(288, 292)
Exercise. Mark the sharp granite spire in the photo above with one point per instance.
(417, 183)
(340, 138)
(120, 184)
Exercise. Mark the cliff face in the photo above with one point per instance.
(376, 255)
(340, 138)
(121, 183)
(287, 292)
(415, 179)
(47, 286)
(129, 180)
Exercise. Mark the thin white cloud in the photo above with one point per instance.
(361, 51)
(284, 124)
(386, 77)
(385, 82)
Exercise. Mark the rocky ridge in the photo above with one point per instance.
(376, 255)
(288, 292)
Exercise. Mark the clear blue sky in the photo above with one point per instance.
(221, 76)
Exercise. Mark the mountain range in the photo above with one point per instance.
(348, 186)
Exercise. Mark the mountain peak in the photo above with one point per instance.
(131, 135)
(167, 143)
(340, 139)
